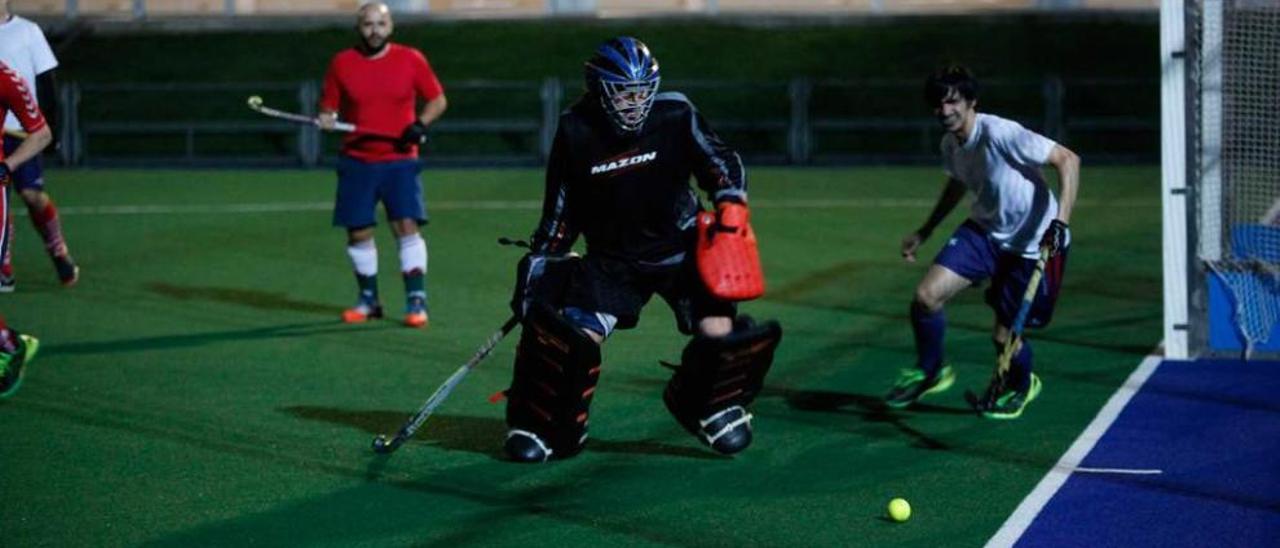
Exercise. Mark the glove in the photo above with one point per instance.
(414, 134)
(528, 270)
(1055, 237)
(6, 176)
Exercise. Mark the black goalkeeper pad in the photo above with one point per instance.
(556, 370)
(717, 374)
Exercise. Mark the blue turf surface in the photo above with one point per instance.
(1213, 429)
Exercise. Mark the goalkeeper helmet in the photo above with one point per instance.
(625, 76)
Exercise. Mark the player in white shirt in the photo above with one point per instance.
(1014, 214)
(24, 48)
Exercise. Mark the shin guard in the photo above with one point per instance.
(718, 379)
(556, 370)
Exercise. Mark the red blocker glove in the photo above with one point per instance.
(727, 256)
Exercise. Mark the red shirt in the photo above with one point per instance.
(379, 94)
(16, 96)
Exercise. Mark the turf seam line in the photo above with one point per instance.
(1030, 507)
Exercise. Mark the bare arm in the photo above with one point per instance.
(1068, 166)
(433, 109)
(30, 147)
(951, 196)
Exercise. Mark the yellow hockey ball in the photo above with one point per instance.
(899, 510)
(255, 101)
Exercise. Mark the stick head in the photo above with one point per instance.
(255, 102)
(381, 445)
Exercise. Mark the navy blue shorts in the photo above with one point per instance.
(972, 255)
(29, 175)
(361, 185)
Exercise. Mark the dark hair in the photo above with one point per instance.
(952, 77)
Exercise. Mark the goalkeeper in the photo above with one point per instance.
(1014, 215)
(619, 176)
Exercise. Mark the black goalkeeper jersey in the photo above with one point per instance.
(629, 195)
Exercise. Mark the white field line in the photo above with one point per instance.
(1030, 507)
(285, 207)
(1132, 471)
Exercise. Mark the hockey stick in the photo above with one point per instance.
(255, 104)
(384, 446)
(1015, 332)
(17, 133)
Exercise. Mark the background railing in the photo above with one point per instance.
(139, 9)
(797, 122)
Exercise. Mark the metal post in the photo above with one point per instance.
(139, 9)
(1054, 91)
(74, 144)
(309, 139)
(73, 9)
(552, 92)
(799, 131)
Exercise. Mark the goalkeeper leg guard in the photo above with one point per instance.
(718, 379)
(556, 370)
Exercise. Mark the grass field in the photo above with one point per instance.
(196, 388)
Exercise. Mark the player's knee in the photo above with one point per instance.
(715, 326)
(928, 299)
(404, 227)
(34, 197)
(359, 235)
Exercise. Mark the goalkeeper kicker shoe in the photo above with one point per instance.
(1008, 404)
(914, 384)
(525, 446)
(8, 283)
(13, 365)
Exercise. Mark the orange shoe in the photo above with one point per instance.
(361, 313)
(416, 319)
(415, 311)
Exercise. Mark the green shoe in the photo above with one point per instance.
(913, 384)
(1010, 404)
(12, 364)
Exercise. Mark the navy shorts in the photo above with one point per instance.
(29, 175)
(361, 185)
(972, 255)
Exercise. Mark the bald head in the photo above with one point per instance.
(373, 22)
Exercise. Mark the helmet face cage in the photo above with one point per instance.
(625, 75)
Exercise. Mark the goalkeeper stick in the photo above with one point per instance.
(1015, 330)
(382, 445)
(255, 104)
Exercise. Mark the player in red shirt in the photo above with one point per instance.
(17, 350)
(377, 85)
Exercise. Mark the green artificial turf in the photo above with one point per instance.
(196, 387)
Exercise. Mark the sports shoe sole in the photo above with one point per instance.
(944, 383)
(1031, 396)
(32, 346)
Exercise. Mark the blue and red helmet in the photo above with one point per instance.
(625, 76)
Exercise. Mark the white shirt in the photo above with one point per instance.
(1000, 162)
(24, 48)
